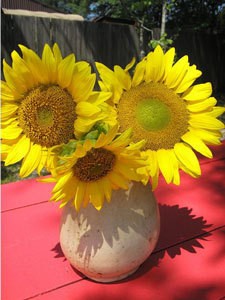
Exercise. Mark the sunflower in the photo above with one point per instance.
(45, 102)
(95, 168)
(161, 105)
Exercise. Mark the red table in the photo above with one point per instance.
(187, 264)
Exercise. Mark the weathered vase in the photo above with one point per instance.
(110, 244)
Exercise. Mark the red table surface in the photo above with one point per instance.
(188, 262)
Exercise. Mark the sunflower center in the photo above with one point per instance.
(44, 116)
(152, 114)
(47, 115)
(155, 113)
(97, 163)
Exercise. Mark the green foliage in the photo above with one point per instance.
(97, 129)
(66, 149)
(69, 148)
(164, 42)
(10, 173)
(81, 7)
(198, 14)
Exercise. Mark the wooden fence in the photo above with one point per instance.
(207, 52)
(110, 43)
(107, 43)
(205, 49)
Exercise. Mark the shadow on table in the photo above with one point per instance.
(180, 229)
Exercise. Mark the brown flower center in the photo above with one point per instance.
(47, 115)
(97, 163)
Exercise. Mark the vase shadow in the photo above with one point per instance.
(178, 224)
(180, 229)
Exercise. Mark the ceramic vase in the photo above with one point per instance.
(110, 244)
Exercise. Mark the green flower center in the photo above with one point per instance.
(152, 114)
(155, 113)
(45, 116)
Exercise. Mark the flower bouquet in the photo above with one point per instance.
(103, 146)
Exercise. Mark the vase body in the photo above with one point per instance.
(110, 244)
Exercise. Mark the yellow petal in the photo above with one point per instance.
(62, 181)
(81, 87)
(191, 75)
(88, 144)
(86, 109)
(103, 86)
(35, 65)
(106, 187)
(105, 139)
(139, 73)
(50, 63)
(123, 139)
(56, 196)
(82, 66)
(187, 158)
(18, 151)
(79, 196)
(205, 122)
(96, 195)
(202, 105)
(153, 162)
(57, 53)
(177, 72)
(123, 77)
(168, 60)
(126, 171)
(83, 125)
(13, 121)
(13, 81)
(8, 94)
(136, 146)
(86, 199)
(42, 162)
(80, 151)
(176, 174)
(99, 97)
(216, 111)
(31, 160)
(165, 164)
(8, 109)
(11, 132)
(210, 137)
(65, 71)
(130, 64)
(155, 65)
(198, 92)
(118, 180)
(22, 71)
(110, 80)
(106, 74)
(5, 149)
(196, 143)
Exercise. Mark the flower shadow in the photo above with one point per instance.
(178, 224)
(180, 230)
